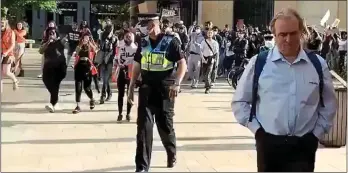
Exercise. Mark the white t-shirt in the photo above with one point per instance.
(206, 50)
(342, 45)
(125, 53)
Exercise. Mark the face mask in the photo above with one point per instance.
(168, 30)
(128, 42)
(269, 44)
(144, 30)
(206, 28)
(198, 31)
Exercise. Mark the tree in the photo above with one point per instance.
(16, 8)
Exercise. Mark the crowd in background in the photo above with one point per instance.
(235, 43)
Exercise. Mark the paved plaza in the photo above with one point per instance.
(208, 137)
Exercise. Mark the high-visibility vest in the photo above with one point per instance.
(155, 59)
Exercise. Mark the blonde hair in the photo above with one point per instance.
(288, 13)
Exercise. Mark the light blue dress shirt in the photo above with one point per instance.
(288, 93)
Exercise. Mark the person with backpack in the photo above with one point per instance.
(286, 98)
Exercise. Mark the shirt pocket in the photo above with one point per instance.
(311, 90)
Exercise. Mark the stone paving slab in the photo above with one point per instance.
(208, 137)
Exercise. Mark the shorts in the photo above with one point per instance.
(8, 60)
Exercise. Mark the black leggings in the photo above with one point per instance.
(52, 76)
(83, 77)
(122, 81)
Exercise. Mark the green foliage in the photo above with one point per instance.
(16, 5)
(121, 10)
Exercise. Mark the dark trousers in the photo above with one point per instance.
(106, 72)
(214, 70)
(154, 106)
(52, 76)
(83, 77)
(207, 71)
(238, 60)
(341, 60)
(285, 153)
(122, 81)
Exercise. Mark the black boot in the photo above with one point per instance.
(91, 104)
(171, 162)
(21, 73)
(102, 100)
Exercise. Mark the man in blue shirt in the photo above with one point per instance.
(288, 119)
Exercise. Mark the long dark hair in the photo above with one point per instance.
(48, 33)
(81, 45)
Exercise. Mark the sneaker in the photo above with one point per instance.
(108, 98)
(15, 85)
(39, 76)
(119, 118)
(207, 91)
(76, 110)
(49, 108)
(128, 118)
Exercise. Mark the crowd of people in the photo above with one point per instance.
(155, 54)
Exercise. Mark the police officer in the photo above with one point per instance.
(155, 60)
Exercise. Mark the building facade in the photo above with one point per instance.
(312, 11)
(260, 12)
(254, 12)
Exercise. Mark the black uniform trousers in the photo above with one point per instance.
(122, 81)
(154, 106)
(83, 77)
(53, 73)
(277, 153)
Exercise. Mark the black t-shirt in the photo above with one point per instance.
(54, 54)
(173, 54)
(73, 40)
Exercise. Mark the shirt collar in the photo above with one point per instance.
(276, 55)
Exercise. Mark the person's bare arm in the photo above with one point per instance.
(13, 43)
(135, 74)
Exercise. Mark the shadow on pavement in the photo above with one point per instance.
(45, 101)
(5, 123)
(120, 168)
(128, 139)
(43, 110)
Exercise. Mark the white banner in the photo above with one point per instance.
(325, 18)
